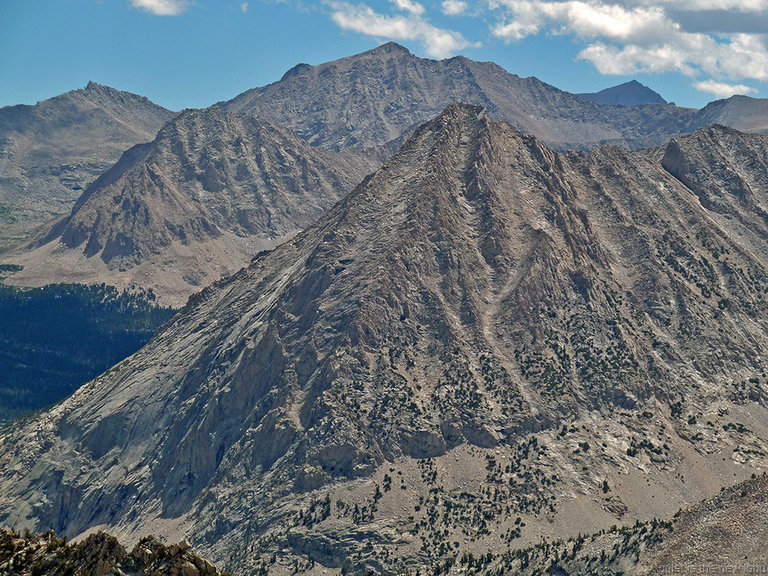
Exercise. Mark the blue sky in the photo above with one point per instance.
(194, 53)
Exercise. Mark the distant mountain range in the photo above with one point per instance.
(375, 98)
(486, 344)
(50, 152)
(630, 93)
(367, 100)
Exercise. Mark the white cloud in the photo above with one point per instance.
(721, 41)
(586, 20)
(740, 56)
(633, 36)
(161, 7)
(437, 42)
(244, 7)
(409, 6)
(721, 89)
(454, 7)
(700, 5)
(635, 59)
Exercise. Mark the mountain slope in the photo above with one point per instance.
(485, 344)
(369, 99)
(627, 94)
(724, 533)
(198, 202)
(740, 112)
(51, 151)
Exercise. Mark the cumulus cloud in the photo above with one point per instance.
(437, 42)
(454, 7)
(721, 21)
(721, 89)
(409, 6)
(635, 36)
(717, 43)
(587, 20)
(699, 5)
(244, 7)
(740, 56)
(161, 7)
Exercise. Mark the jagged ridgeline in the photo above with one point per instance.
(98, 554)
(377, 98)
(485, 344)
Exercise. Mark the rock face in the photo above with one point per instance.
(196, 203)
(487, 343)
(99, 554)
(628, 94)
(376, 97)
(51, 151)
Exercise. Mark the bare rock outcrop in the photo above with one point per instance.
(100, 555)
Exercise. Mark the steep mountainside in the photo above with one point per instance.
(486, 344)
(51, 151)
(627, 94)
(197, 203)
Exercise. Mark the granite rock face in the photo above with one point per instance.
(485, 344)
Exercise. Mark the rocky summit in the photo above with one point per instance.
(486, 346)
(51, 151)
(626, 94)
(198, 202)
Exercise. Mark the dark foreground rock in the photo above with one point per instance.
(98, 555)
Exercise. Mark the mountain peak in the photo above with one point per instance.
(390, 48)
(297, 70)
(626, 94)
(96, 89)
(62, 144)
(378, 97)
(462, 112)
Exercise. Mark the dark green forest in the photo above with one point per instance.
(56, 338)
